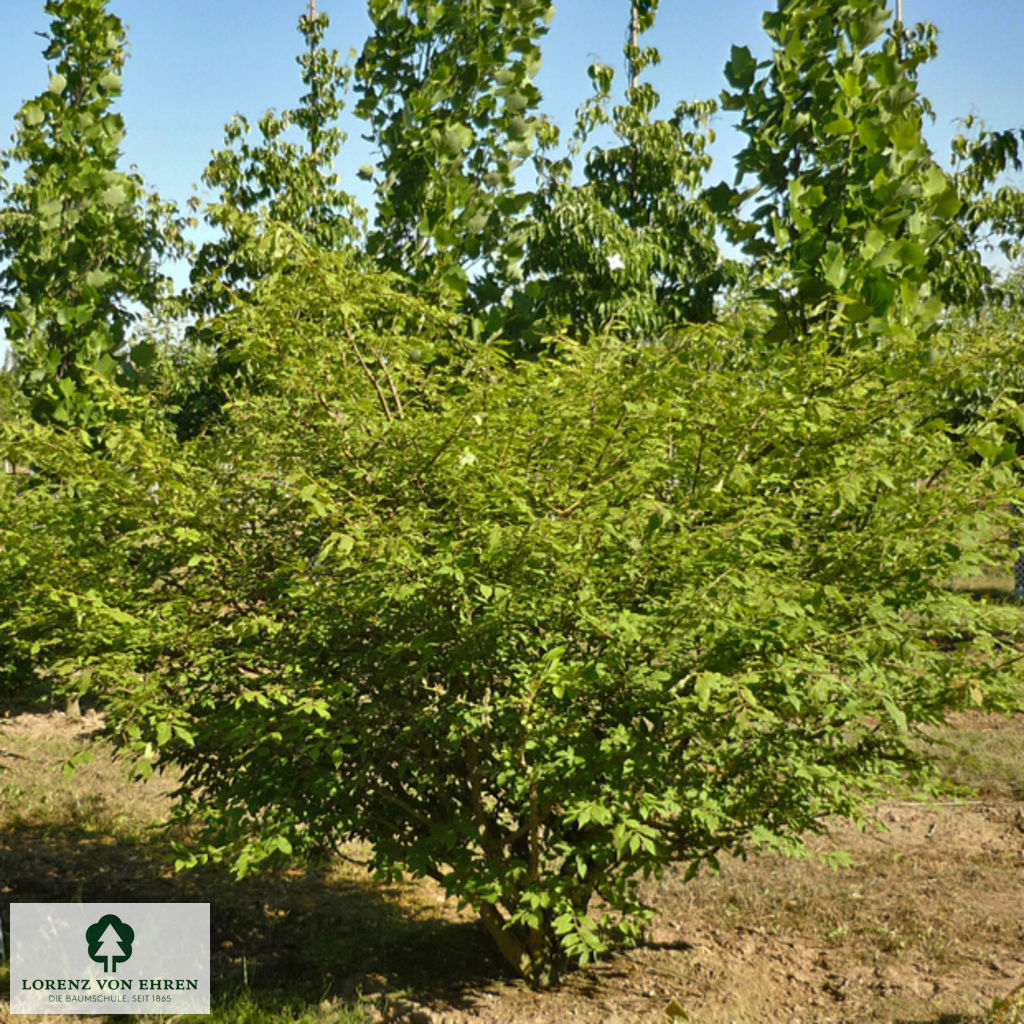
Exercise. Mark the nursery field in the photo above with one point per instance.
(926, 926)
(469, 573)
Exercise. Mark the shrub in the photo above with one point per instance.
(534, 630)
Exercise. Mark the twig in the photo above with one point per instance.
(369, 376)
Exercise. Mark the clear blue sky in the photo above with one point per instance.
(194, 63)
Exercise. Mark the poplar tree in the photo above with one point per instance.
(851, 212)
(634, 243)
(81, 241)
(448, 93)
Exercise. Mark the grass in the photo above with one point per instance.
(988, 761)
(936, 897)
(878, 908)
(246, 1008)
(993, 583)
(241, 1007)
(35, 791)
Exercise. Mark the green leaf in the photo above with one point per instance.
(840, 126)
(456, 139)
(184, 735)
(702, 688)
(897, 715)
(341, 543)
(144, 354)
(455, 280)
(114, 195)
(97, 278)
(871, 134)
(835, 266)
(105, 365)
(867, 26)
(741, 67)
(904, 133)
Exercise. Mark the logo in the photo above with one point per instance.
(110, 942)
(110, 958)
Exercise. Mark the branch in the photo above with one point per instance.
(369, 376)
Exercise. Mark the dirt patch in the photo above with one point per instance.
(926, 926)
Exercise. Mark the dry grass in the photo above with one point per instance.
(95, 835)
(993, 583)
(98, 797)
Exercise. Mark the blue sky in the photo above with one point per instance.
(194, 63)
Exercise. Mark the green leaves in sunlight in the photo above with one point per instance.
(532, 629)
(81, 241)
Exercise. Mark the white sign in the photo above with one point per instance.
(110, 958)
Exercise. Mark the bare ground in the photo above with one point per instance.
(926, 926)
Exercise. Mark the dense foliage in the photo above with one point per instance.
(532, 632)
(675, 585)
(851, 205)
(990, 218)
(80, 239)
(448, 95)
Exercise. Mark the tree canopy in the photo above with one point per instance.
(279, 179)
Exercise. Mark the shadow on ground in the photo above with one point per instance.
(294, 935)
(943, 1018)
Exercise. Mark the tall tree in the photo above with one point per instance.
(990, 219)
(447, 91)
(851, 208)
(279, 178)
(82, 240)
(635, 243)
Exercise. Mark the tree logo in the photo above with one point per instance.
(110, 942)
